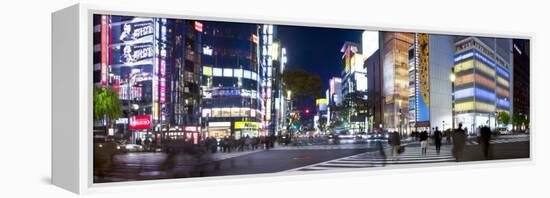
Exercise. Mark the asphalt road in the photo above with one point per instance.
(146, 166)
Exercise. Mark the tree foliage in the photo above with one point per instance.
(503, 117)
(106, 103)
(301, 82)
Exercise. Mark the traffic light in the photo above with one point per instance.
(306, 111)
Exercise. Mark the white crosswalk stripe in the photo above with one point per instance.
(412, 155)
(502, 140)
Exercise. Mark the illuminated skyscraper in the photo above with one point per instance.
(430, 64)
(230, 79)
(483, 80)
(394, 48)
(354, 87)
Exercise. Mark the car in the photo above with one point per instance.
(504, 131)
(361, 136)
(378, 136)
(130, 147)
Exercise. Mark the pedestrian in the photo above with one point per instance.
(395, 144)
(437, 137)
(459, 142)
(424, 142)
(448, 136)
(381, 152)
(247, 142)
(485, 139)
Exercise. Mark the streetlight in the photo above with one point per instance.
(452, 77)
(289, 93)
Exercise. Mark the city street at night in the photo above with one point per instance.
(181, 98)
(149, 165)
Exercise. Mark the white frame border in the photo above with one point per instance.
(85, 176)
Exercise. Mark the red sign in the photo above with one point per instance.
(140, 122)
(198, 26)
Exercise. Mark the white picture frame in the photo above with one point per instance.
(72, 90)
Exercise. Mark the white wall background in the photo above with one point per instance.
(25, 99)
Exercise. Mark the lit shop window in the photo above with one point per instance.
(235, 112)
(207, 71)
(238, 73)
(206, 113)
(247, 74)
(216, 112)
(217, 72)
(227, 72)
(226, 112)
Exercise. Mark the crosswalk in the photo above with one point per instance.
(501, 140)
(412, 155)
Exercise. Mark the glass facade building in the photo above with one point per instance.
(430, 64)
(230, 79)
(394, 55)
(482, 87)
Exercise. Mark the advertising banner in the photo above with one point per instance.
(246, 125)
(140, 122)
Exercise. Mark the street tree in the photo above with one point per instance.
(301, 83)
(503, 117)
(107, 105)
(517, 121)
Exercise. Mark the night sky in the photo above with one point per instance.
(316, 49)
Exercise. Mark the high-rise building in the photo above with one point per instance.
(153, 65)
(521, 77)
(354, 87)
(375, 105)
(230, 79)
(482, 88)
(271, 64)
(430, 64)
(184, 74)
(335, 96)
(394, 51)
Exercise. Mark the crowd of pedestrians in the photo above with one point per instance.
(457, 138)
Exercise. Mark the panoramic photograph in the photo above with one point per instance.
(178, 98)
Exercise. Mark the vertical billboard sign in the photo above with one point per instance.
(423, 84)
(103, 50)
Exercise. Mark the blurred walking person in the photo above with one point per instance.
(459, 142)
(381, 151)
(485, 141)
(424, 142)
(437, 136)
(395, 144)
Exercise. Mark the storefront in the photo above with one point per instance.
(218, 129)
(183, 133)
(244, 128)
